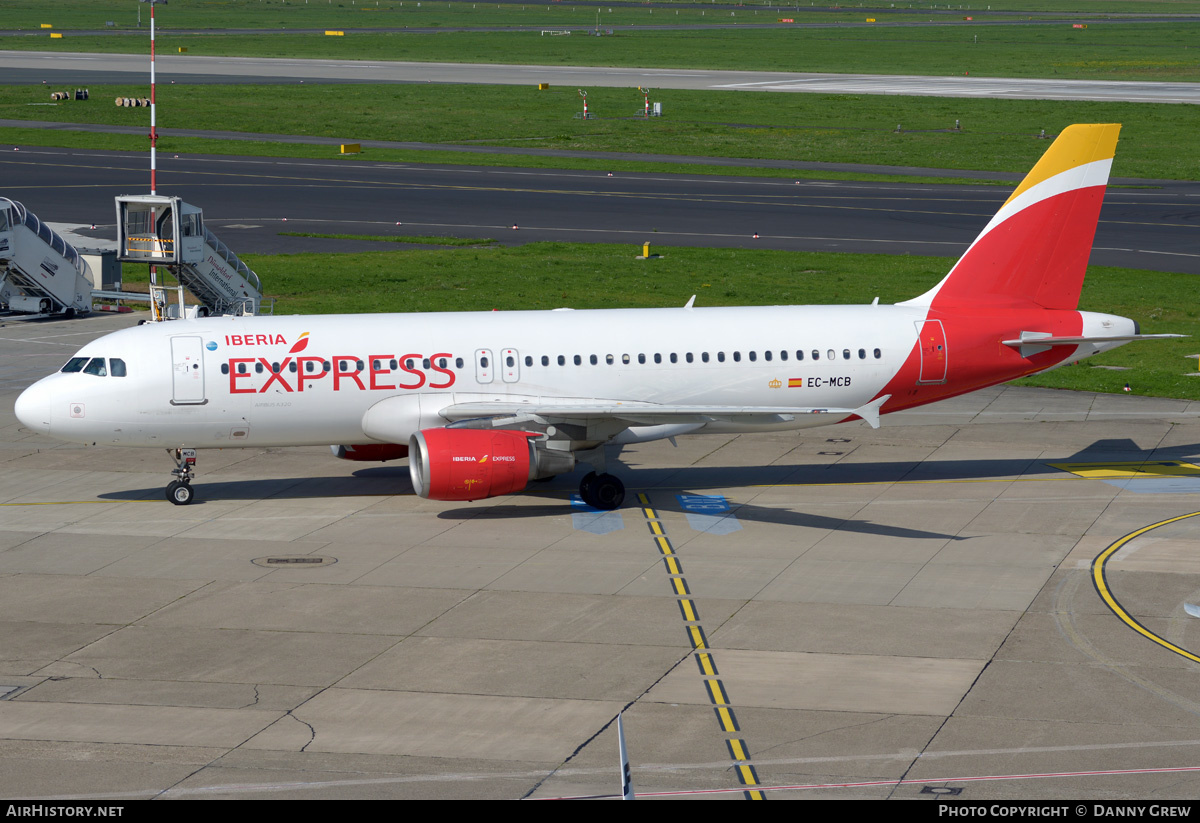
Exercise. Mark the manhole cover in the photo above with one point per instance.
(294, 561)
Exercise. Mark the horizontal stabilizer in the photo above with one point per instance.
(1031, 343)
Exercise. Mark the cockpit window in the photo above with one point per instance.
(96, 366)
(116, 367)
(74, 364)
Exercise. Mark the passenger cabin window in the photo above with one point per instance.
(816, 354)
(878, 354)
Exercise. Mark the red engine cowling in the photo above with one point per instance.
(374, 452)
(469, 464)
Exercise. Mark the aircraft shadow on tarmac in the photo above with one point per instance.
(663, 484)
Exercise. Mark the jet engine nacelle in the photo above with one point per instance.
(471, 464)
(370, 452)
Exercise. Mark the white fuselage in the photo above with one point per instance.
(184, 382)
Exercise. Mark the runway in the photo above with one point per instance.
(246, 201)
(97, 69)
(848, 612)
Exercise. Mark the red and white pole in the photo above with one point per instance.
(153, 133)
(153, 122)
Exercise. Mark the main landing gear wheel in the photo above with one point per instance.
(179, 493)
(602, 491)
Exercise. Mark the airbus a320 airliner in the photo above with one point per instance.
(482, 403)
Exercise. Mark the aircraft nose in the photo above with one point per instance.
(33, 408)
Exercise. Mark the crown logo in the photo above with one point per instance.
(775, 384)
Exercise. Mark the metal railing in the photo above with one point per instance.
(232, 259)
(18, 215)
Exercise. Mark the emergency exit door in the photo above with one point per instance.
(932, 345)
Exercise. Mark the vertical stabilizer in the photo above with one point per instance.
(1036, 248)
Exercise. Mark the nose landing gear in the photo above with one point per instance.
(180, 491)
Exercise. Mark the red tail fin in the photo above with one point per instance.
(1036, 248)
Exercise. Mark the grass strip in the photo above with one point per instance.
(1157, 140)
(1103, 51)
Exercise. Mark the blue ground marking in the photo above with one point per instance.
(708, 513)
(1156, 485)
(586, 519)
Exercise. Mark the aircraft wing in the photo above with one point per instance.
(501, 414)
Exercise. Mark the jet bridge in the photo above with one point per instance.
(40, 272)
(165, 231)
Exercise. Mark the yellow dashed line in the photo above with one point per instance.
(716, 692)
(713, 685)
(689, 611)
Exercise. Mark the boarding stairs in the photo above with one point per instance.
(165, 231)
(40, 272)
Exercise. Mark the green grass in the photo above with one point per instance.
(351, 14)
(552, 275)
(1157, 141)
(1110, 51)
(187, 145)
